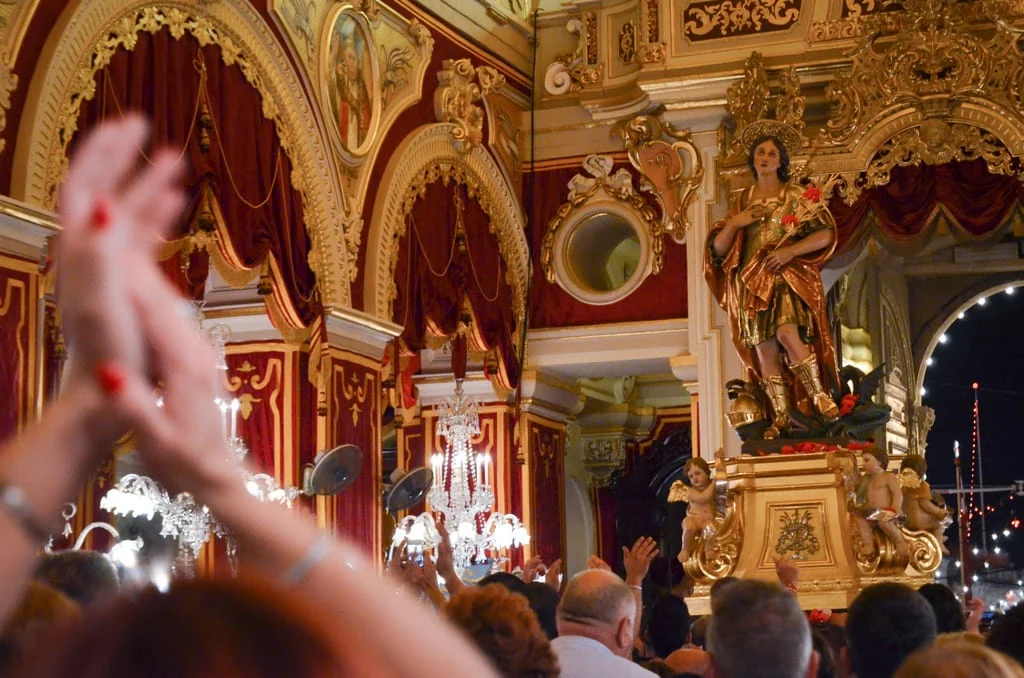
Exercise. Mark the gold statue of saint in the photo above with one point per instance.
(763, 266)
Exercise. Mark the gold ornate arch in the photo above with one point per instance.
(433, 153)
(66, 77)
(940, 89)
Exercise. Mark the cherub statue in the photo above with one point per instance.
(879, 500)
(921, 511)
(699, 494)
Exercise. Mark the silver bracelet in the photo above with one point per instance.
(294, 575)
(13, 499)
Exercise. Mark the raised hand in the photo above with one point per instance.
(638, 559)
(553, 576)
(594, 562)
(111, 218)
(531, 568)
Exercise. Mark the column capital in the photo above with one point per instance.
(359, 332)
(24, 229)
(548, 396)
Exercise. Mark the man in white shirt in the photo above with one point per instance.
(596, 619)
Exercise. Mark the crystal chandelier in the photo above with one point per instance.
(462, 493)
(184, 520)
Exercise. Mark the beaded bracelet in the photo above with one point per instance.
(294, 575)
(13, 499)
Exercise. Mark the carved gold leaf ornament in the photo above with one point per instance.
(460, 88)
(627, 42)
(672, 170)
(8, 83)
(652, 49)
(705, 20)
(572, 72)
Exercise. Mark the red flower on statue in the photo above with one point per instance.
(790, 220)
(848, 402)
(812, 193)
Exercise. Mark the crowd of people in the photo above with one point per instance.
(311, 605)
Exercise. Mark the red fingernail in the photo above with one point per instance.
(101, 216)
(110, 378)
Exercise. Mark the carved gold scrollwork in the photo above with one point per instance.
(672, 170)
(572, 72)
(652, 49)
(936, 67)
(730, 17)
(8, 83)
(932, 143)
(457, 95)
(627, 42)
(749, 102)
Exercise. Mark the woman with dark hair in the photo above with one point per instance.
(762, 265)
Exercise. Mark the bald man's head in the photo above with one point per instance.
(596, 597)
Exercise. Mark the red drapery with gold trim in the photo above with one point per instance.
(440, 279)
(245, 169)
(903, 209)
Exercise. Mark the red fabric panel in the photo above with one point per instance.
(258, 379)
(978, 200)
(160, 78)
(547, 488)
(356, 419)
(659, 297)
(607, 542)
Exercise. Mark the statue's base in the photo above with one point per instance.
(797, 505)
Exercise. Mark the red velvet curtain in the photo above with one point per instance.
(979, 201)
(245, 167)
(437, 277)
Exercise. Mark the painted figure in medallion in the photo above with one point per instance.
(350, 72)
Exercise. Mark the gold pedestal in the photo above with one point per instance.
(799, 506)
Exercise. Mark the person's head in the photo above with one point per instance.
(757, 630)
(886, 623)
(768, 153)
(949, 616)
(699, 631)
(204, 627)
(41, 607)
(697, 472)
(718, 587)
(83, 576)
(544, 602)
(597, 604)
(668, 625)
(826, 656)
(1007, 634)
(875, 459)
(350, 57)
(509, 581)
(660, 667)
(912, 470)
(502, 625)
(959, 659)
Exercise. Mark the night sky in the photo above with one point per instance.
(985, 346)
